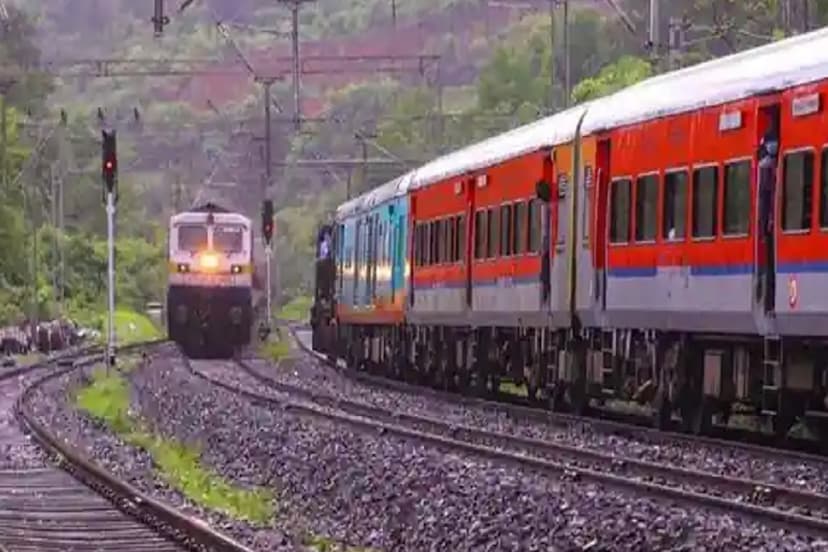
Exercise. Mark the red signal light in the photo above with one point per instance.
(108, 165)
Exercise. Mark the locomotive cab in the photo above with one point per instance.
(323, 309)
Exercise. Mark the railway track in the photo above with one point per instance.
(789, 508)
(520, 411)
(74, 505)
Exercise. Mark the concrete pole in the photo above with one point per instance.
(567, 60)
(295, 43)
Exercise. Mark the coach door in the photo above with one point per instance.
(470, 237)
(767, 161)
(600, 214)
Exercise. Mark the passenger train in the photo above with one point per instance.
(212, 285)
(667, 244)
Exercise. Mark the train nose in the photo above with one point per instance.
(181, 314)
(235, 315)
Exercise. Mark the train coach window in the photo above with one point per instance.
(736, 198)
(480, 229)
(798, 185)
(705, 201)
(450, 240)
(460, 236)
(192, 237)
(520, 228)
(493, 249)
(646, 205)
(434, 243)
(621, 203)
(505, 230)
(535, 224)
(417, 244)
(675, 206)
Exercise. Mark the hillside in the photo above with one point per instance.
(495, 72)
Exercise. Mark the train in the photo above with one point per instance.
(665, 244)
(214, 285)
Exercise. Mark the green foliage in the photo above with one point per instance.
(319, 543)
(275, 349)
(626, 71)
(132, 327)
(297, 309)
(107, 398)
(295, 243)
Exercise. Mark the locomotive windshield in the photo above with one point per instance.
(192, 237)
(228, 238)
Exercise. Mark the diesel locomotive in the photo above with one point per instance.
(210, 292)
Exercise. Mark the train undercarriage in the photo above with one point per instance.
(209, 321)
(688, 381)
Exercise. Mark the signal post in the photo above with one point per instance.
(267, 233)
(110, 180)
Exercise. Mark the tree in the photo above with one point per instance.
(626, 71)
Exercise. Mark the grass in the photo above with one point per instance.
(130, 326)
(30, 358)
(513, 389)
(276, 348)
(133, 327)
(319, 543)
(296, 310)
(107, 399)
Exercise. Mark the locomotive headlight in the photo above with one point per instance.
(183, 267)
(208, 261)
(236, 269)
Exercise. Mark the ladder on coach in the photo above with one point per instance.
(608, 354)
(773, 377)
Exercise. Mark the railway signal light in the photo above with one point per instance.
(267, 220)
(109, 168)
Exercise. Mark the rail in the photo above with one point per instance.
(191, 531)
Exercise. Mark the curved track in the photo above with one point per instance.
(790, 508)
(79, 507)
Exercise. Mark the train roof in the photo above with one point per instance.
(374, 197)
(199, 217)
(785, 63)
(549, 131)
(790, 62)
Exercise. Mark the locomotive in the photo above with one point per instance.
(667, 244)
(210, 292)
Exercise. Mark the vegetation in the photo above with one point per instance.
(496, 72)
(107, 399)
(297, 309)
(276, 348)
(326, 544)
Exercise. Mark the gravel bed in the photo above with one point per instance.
(382, 492)
(393, 494)
(17, 451)
(312, 373)
(52, 405)
(436, 426)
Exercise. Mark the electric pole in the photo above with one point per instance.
(653, 41)
(552, 56)
(294, 39)
(567, 60)
(5, 86)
